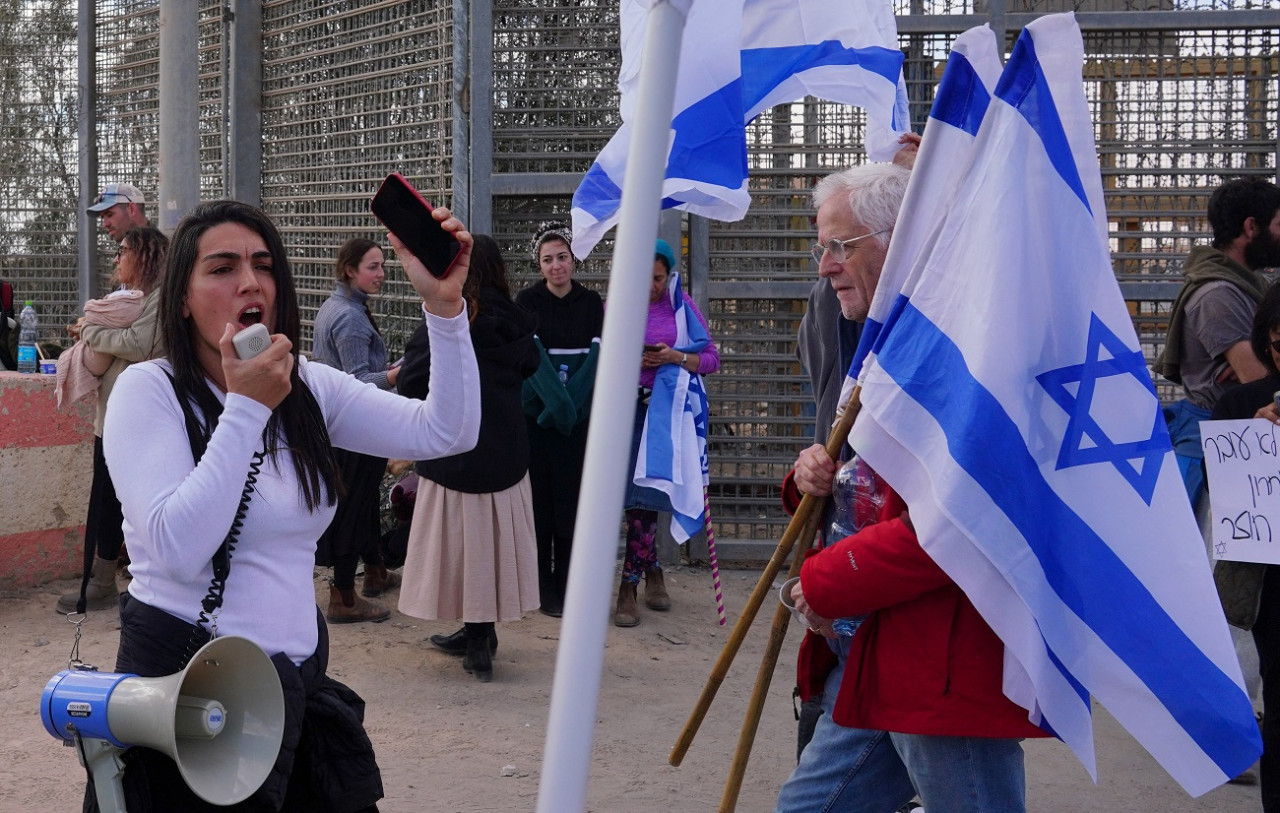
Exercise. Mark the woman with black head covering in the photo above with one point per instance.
(557, 402)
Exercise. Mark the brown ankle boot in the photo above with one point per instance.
(378, 580)
(626, 614)
(101, 592)
(655, 591)
(345, 607)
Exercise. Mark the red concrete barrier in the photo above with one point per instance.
(46, 465)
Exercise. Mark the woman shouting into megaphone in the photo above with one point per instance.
(206, 438)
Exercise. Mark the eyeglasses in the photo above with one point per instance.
(839, 248)
(120, 252)
(1276, 345)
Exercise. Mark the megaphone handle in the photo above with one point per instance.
(102, 759)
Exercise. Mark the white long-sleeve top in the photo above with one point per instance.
(177, 513)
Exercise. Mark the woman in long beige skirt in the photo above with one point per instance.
(472, 553)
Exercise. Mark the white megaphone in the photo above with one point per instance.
(221, 720)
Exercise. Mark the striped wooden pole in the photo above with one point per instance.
(711, 553)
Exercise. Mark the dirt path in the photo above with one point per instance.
(449, 743)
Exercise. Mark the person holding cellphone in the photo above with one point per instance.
(347, 337)
(642, 502)
(216, 424)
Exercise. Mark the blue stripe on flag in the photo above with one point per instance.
(597, 194)
(658, 419)
(961, 100)
(709, 136)
(1075, 685)
(1079, 688)
(866, 342)
(874, 334)
(895, 313)
(986, 444)
(763, 69)
(1024, 87)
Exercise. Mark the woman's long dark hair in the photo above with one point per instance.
(488, 270)
(298, 417)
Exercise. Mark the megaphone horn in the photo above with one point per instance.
(221, 719)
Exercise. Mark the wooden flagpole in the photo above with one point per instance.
(803, 525)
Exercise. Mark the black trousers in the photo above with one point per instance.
(154, 643)
(104, 525)
(356, 528)
(1266, 635)
(555, 477)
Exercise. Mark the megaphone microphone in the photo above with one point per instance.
(221, 720)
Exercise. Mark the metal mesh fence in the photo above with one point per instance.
(38, 119)
(352, 91)
(127, 109)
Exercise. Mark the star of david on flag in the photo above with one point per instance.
(1007, 402)
(1086, 441)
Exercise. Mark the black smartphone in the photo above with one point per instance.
(408, 216)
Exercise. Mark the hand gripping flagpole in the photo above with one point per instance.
(803, 526)
(580, 658)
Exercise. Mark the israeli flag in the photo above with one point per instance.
(673, 445)
(1010, 405)
(738, 58)
(946, 151)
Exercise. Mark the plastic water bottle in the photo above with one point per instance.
(857, 495)
(564, 374)
(847, 626)
(28, 326)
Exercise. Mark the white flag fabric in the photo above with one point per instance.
(946, 151)
(737, 58)
(1010, 405)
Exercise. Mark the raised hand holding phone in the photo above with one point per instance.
(431, 244)
(440, 296)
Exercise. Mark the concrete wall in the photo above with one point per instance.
(46, 465)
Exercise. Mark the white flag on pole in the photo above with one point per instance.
(946, 150)
(740, 57)
(1011, 407)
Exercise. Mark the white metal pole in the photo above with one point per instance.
(580, 659)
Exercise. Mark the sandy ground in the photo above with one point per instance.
(449, 743)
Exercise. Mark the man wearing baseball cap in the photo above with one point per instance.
(119, 207)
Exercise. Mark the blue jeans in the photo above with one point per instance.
(1184, 419)
(855, 770)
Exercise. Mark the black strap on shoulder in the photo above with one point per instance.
(222, 556)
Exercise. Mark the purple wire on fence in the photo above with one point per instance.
(711, 553)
